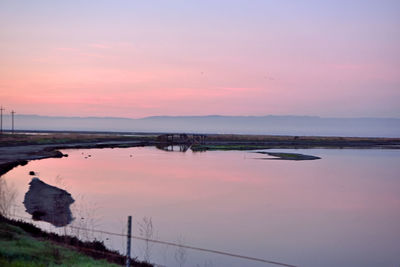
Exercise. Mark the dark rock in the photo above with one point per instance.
(57, 154)
(32, 173)
(48, 203)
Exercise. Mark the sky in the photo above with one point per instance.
(252, 57)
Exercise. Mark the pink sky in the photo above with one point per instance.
(115, 58)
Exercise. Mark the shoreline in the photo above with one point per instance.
(13, 156)
(19, 149)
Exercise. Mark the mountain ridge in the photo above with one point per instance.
(268, 124)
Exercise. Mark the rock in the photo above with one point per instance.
(48, 203)
(32, 173)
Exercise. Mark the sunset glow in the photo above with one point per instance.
(144, 58)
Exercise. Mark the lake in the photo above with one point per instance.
(340, 210)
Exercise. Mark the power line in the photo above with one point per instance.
(186, 246)
(12, 118)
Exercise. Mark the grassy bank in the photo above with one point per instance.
(211, 141)
(253, 142)
(68, 138)
(24, 245)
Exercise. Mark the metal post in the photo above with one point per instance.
(1, 119)
(12, 117)
(128, 243)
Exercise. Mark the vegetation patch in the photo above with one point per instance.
(23, 244)
(17, 248)
(197, 148)
(288, 156)
(68, 138)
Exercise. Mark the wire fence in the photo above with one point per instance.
(219, 252)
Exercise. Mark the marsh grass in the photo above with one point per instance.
(17, 248)
(146, 230)
(65, 138)
(8, 194)
(197, 148)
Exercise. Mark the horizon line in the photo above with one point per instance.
(199, 116)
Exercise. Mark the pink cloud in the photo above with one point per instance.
(100, 46)
(68, 49)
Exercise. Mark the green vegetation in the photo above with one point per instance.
(20, 249)
(288, 156)
(196, 148)
(68, 138)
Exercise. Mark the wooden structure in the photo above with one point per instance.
(180, 139)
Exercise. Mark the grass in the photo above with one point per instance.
(276, 138)
(252, 142)
(288, 156)
(22, 241)
(19, 249)
(65, 138)
(213, 141)
(227, 147)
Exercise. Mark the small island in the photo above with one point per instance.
(287, 156)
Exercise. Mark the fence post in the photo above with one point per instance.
(1, 119)
(128, 243)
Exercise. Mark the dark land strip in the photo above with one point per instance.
(18, 149)
(287, 156)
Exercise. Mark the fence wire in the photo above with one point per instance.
(219, 252)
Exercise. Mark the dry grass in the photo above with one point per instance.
(240, 137)
(60, 138)
(7, 197)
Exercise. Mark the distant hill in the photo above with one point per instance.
(275, 125)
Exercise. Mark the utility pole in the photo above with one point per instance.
(1, 119)
(128, 243)
(12, 120)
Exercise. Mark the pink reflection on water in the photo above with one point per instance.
(340, 210)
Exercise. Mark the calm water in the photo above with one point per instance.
(342, 210)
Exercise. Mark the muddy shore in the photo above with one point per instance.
(18, 149)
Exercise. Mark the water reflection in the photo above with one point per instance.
(174, 148)
(341, 210)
